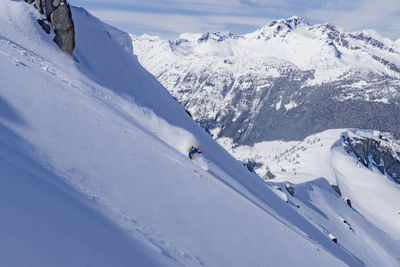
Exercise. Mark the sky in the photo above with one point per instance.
(170, 18)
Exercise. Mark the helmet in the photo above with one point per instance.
(197, 148)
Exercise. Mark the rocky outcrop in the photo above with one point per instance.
(337, 189)
(348, 202)
(290, 188)
(269, 175)
(44, 25)
(59, 14)
(332, 237)
(250, 165)
(63, 27)
(375, 151)
(38, 6)
(48, 6)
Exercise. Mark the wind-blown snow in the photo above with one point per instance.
(93, 169)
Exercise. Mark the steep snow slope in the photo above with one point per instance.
(94, 168)
(46, 223)
(285, 81)
(317, 201)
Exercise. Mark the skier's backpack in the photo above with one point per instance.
(190, 148)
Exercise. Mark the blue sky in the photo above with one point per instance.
(169, 18)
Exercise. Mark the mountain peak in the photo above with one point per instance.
(291, 22)
(279, 27)
(216, 36)
(294, 17)
(298, 20)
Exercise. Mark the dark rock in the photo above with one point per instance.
(61, 18)
(57, 3)
(387, 63)
(347, 224)
(44, 25)
(187, 111)
(278, 188)
(337, 190)
(333, 238)
(290, 188)
(38, 6)
(348, 201)
(63, 27)
(375, 152)
(65, 39)
(216, 36)
(347, 149)
(269, 175)
(48, 6)
(250, 165)
(59, 14)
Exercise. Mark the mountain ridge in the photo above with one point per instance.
(308, 71)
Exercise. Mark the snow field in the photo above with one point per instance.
(108, 136)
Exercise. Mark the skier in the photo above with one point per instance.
(192, 150)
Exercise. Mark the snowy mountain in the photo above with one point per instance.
(94, 170)
(287, 80)
(370, 182)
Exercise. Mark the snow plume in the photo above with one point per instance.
(176, 137)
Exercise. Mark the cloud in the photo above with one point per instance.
(176, 23)
(166, 6)
(170, 22)
(238, 20)
(172, 17)
(166, 22)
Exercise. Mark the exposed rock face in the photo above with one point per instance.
(59, 14)
(250, 165)
(290, 188)
(57, 3)
(38, 5)
(348, 201)
(48, 7)
(63, 27)
(333, 238)
(375, 151)
(337, 189)
(269, 175)
(44, 25)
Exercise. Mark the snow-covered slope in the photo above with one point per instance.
(372, 193)
(317, 201)
(287, 80)
(94, 171)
